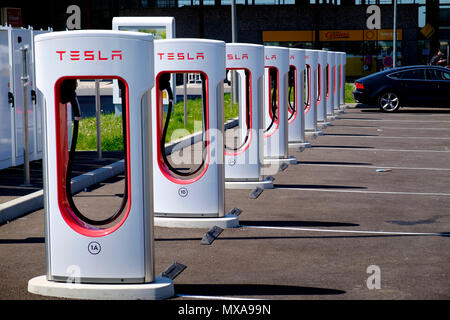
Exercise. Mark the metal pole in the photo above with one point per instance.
(233, 21)
(448, 53)
(234, 96)
(185, 98)
(97, 115)
(26, 146)
(394, 51)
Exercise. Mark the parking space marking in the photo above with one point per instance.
(376, 149)
(396, 120)
(396, 128)
(385, 137)
(383, 127)
(392, 233)
(372, 167)
(213, 297)
(435, 194)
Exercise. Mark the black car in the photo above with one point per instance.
(412, 86)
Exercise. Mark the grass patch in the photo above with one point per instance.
(348, 93)
(111, 132)
(111, 126)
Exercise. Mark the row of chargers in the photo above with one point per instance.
(283, 96)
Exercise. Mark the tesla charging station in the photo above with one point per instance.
(336, 81)
(16, 92)
(311, 64)
(342, 77)
(296, 114)
(244, 148)
(189, 184)
(321, 89)
(330, 84)
(36, 96)
(275, 106)
(88, 257)
(159, 27)
(335, 87)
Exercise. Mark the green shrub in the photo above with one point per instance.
(111, 126)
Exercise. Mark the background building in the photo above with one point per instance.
(422, 25)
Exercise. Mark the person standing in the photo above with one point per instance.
(438, 59)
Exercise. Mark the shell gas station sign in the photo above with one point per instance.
(359, 35)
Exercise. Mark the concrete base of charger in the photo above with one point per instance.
(161, 288)
(313, 133)
(280, 161)
(323, 124)
(303, 145)
(332, 117)
(264, 184)
(227, 221)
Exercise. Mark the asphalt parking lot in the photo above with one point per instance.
(364, 215)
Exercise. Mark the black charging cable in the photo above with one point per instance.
(247, 113)
(273, 106)
(292, 105)
(68, 95)
(164, 84)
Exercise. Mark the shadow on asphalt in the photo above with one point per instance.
(409, 110)
(251, 290)
(315, 186)
(337, 163)
(343, 147)
(279, 223)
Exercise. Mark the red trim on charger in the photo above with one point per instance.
(62, 157)
(295, 95)
(159, 122)
(277, 122)
(308, 75)
(248, 109)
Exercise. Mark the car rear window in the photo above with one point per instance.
(435, 74)
(397, 75)
(416, 74)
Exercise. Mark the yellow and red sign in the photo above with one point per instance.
(331, 35)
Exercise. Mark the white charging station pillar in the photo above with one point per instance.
(159, 27)
(16, 91)
(311, 63)
(321, 89)
(275, 106)
(338, 79)
(36, 97)
(296, 110)
(189, 186)
(244, 157)
(329, 87)
(342, 77)
(335, 88)
(89, 258)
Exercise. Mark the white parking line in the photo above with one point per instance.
(396, 120)
(351, 231)
(372, 167)
(396, 128)
(383, 137)
(213, 297)
(435, 194)
(375, 149)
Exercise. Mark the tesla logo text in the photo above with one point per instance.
(181, 56)
(272, 57)
(244, 56)
(89, 55)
